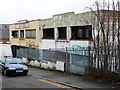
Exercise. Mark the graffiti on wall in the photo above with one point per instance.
(77, 49)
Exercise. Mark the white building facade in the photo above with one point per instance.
(66, 30)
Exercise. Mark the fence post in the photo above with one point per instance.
(89, 56)
(88, 69)
(70, 57)
(66, 59)
(37, 54)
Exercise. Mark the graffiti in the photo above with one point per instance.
(77, 49)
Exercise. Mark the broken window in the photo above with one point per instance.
(62, 33)
(21, 33)
(31, 34)
(15, 34)
(48, 33)
(81, 32)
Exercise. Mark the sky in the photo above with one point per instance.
(12, 11)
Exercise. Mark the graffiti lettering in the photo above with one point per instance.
(77, 49)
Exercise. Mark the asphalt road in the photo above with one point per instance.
(28, 82)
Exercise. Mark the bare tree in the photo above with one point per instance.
(105, 17)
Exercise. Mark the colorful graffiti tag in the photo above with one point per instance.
(77, 49)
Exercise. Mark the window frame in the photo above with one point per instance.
(17, 34)
(31, 35)
(86, 32)
(61, 31)
(48, 34)
(23, 34)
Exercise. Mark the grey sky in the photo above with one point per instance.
(13, 10)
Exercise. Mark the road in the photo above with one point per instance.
(28, 82)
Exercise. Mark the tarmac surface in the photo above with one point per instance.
(74, 81)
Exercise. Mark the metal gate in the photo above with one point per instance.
(77, 60)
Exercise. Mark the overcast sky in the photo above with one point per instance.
(12, 11)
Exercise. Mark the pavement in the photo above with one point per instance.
(71, 80)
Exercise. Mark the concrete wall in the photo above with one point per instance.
(59, 65)
(64, 20)
(47, 44)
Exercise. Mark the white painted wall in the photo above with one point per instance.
(62, 44)
(47, 44)
(47, 64)
(5, 50)
(80, 43)
(60, 65)
(69, 44)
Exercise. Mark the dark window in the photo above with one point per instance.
(15, 34)
(21, 33)
(62, 33)
(81, 32)
(31, 34)
(48, 33)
